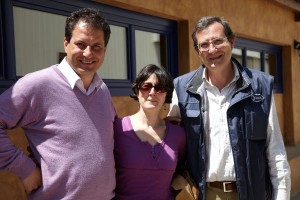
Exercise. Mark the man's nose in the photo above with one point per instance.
(211, 48)
(87, 51)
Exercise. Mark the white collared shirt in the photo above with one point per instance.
(220, 164)
(74, 79)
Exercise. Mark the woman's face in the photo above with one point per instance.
(151, 94)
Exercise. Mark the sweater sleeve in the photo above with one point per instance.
(15, 111)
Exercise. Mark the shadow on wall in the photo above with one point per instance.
(11, 188)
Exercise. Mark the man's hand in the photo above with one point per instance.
(33, 181)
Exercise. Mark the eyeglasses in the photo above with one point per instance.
(217, 43)
(146, 87)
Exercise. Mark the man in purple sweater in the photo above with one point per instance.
(67, 115)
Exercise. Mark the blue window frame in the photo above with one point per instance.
(129, 20)
(1, 47)
(262, 56)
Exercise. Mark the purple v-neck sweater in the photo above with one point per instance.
(71, 136)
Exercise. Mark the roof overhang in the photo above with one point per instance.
(294, 5)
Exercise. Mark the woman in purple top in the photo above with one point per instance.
(147, 148)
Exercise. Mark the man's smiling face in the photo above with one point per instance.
(86, 49)
(215, 56)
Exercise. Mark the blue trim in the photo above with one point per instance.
(116, 16)
(262, 61)
(244, 57)
(255, 45)
(279, 88)
(263, 48)
(59, 7)
(4, 84)
(9, 59)
(132, 55)
(1, 46)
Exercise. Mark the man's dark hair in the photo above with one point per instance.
(204, 22)
(91, 16)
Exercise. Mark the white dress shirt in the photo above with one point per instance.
(220, 163)
(74, 79)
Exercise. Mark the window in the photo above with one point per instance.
(38, 39)
(261, 56)
(35, 41)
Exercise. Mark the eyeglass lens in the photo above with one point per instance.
(217, 42)
(146, 87)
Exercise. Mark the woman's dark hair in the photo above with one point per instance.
(204, 22)
(91, 16)
(163, 76)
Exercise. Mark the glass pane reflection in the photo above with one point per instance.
(270, 66)
(237, 54)
(150, 49)
(115, 62)
(38, 39)
(253, 60)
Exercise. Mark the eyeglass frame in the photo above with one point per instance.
(216, 46)
(157, 88)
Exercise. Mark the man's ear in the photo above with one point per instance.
(197, 50)
(65, 42)
(232, 42)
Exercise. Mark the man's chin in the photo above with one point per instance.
(212, 65)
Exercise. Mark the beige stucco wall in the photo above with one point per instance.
(262, 20)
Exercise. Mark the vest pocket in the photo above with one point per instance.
(256, 125)
(192, 123)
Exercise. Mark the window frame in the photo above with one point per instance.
(130, 20)
(262, 47)
(1, 45)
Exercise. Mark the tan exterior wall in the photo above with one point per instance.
(262, 20)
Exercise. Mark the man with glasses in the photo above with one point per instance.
(235, 148)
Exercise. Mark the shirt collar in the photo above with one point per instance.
(68, 72)
(73, 79)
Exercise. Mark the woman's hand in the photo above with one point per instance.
(33, 181)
